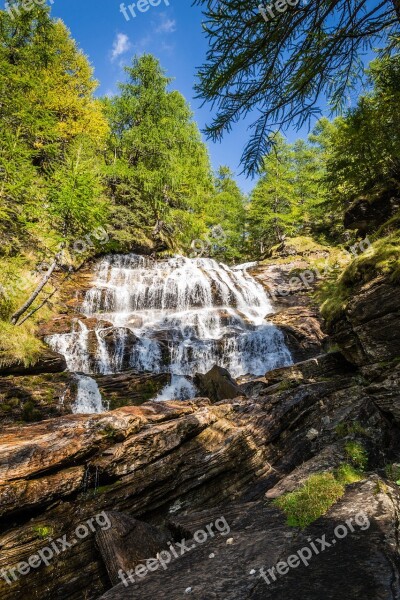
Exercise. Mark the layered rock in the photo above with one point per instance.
(363, 563)
(160, 461)
(296, 315)
(47, 362)
(367, 331)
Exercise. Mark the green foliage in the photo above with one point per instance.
(280, 68)
(347, 474)
(157, 166)
(43, 531)
(288, 197)
(357, 454)
(312, 500)
(345, 428)
(382, 258)
(393, 472)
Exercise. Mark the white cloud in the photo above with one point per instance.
(120, 46)
(166, 25)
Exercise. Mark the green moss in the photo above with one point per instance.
(287, 385)
(393, 472)
(43, 531)
(347, 474)
(382, 258)
(357, 454)
(30, 413)
(312, 500)
(344, 429)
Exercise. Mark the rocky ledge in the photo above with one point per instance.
(178, 466)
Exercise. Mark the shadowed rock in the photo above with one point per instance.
(217, 384)
(127, 543)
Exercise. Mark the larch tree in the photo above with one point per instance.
(284, 67)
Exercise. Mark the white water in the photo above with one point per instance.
(88, 399)
(186, 314)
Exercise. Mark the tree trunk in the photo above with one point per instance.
(32, 298)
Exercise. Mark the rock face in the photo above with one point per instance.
(183, 465)
(130, 388)
(94, 495)
(295, 315)
(217, 384)
(368, 330)
(47, 362)
(366, 214)
(351, 564)
(29, 398)
(32, 398)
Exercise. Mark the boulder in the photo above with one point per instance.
(217, 384)
(301, 327)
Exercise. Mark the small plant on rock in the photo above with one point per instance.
(312, 500)
(357, 454)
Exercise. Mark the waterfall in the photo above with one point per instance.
(178, 315)
(88, 398)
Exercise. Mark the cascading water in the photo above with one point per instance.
(180, 316)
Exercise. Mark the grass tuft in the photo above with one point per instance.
(302, 507)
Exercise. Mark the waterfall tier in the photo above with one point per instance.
(179, 315)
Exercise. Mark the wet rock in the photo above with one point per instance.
(217, 384)
(325, 365)
(302, 329)
(67, 323)
(295, 314)
(131, 388)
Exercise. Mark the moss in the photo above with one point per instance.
(344, 429)
(18, 344)
(30, 413)
(382, 258)
(43, 531)
(312, 500)
(347, 474)
(393, 472)
(381, 487)
(287, 385)
(357, 454)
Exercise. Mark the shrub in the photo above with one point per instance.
(393, 472)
